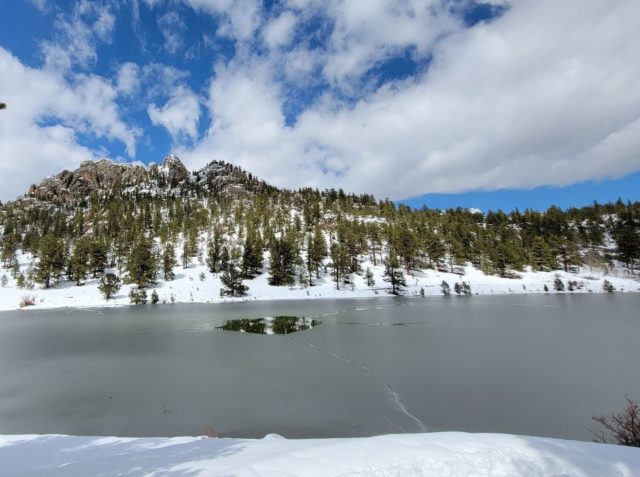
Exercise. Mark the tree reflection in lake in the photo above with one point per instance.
(270, 325)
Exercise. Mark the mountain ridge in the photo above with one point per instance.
(107, 177)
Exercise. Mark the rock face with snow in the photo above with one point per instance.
(90, 177)
(106, 177)
(174, 170)
(225, 180)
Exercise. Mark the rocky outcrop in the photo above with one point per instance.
(106, 177)
(174, 170)
(226, 180)
(92, 176)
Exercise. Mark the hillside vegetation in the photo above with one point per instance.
(138, 225)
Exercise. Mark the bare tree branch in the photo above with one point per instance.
(624, 427)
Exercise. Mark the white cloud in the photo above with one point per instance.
(279, 31)
(248, 126)
(128, 80)
(547, 94)
(40, 5)
(160, 80)
(45, 113)
(172, 27)
(179, 116)
(240, 18)
(103, 24)
(299, 64)
(76, 36)
(361, 37)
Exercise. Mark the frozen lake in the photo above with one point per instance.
(536, 365)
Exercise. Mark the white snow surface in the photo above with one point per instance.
(407, 455)
(188, 287)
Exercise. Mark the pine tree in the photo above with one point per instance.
(375, 241)
(214, 252)
(435, 249)
(540, 254)
(465, 288)
(79, 260)
(406, 245)
(594, 233)
(252, 256)
(608, 287)
(393, 274)
(369, 277)
(169, 262)
(558, 284)
(186, 255)
(626, 234)
(138, 296)
(339, 262)
(15, 267)
(316, 252)
(97, 256)
(109, 285)
(446, 289)
(154, 297)
(225, 258)
(503, 255)
(10, 241)
(142, 263)
(51, 260)
(283, 261)
(190, 246)
(232, 281)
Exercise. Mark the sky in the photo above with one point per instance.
(473, 103)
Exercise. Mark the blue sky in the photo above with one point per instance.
(450, 103)
(538, 198)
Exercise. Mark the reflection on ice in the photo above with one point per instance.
(279, 325)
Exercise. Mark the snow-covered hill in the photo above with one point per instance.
(408, 455)
(103, 213)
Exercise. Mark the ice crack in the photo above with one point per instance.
(395, 395)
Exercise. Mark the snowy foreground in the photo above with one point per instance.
(196, 285)
(436, 454)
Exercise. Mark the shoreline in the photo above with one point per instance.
(239, 300)
(196, 285)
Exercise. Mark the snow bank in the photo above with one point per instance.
(436, 454)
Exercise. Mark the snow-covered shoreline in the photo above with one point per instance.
(406, 455)
(196, 285)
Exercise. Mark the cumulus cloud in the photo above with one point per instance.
(362, 36)
(46, 113)
(179, 116)
(546, 94)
